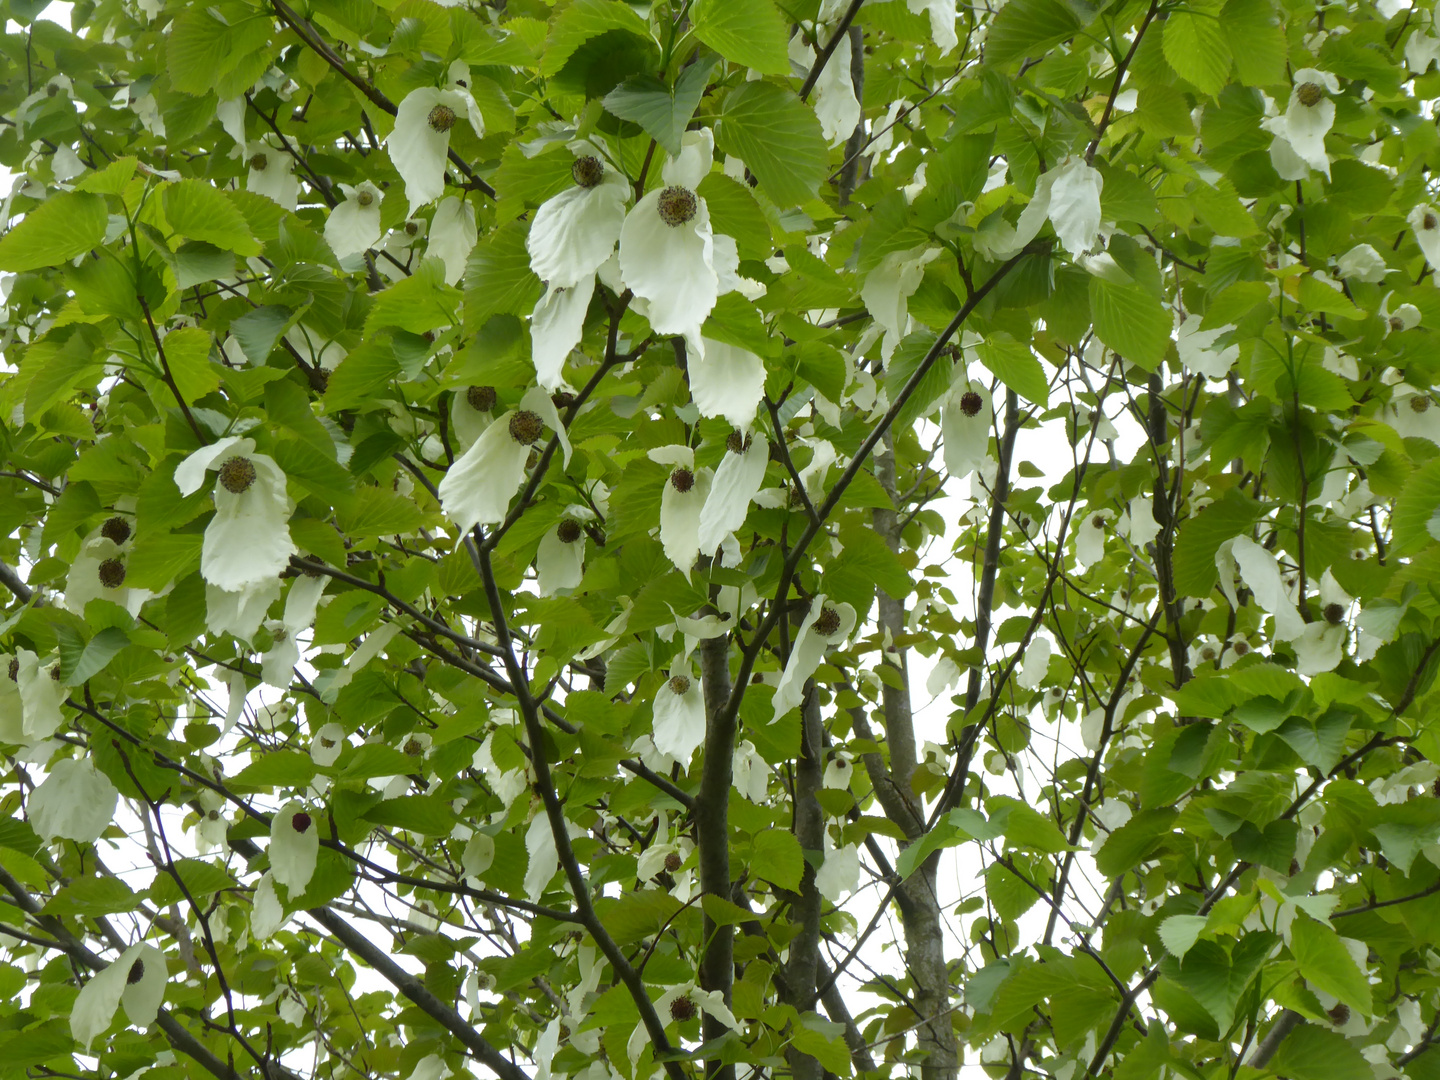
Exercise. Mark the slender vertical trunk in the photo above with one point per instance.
(712, 831)
(802, 968)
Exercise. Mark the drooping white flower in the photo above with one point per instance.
(1308, 118)
(1198, 351)
(239, 613)
(737, 481)
(452, 236)
(887, 291)
(556, 327)
(272, 173)
(1412, 413)
(574, 232)
(839, 874)
(1363, 263)
(750, 772)
(681, 503)
(1035, 664)
(325, 747)
(667, 252)
(943, 676)
(1074, 203)
(544, 857)
(41, 695)
(727, 381)
(1261, 574)
(99, 572)
(727, 269)
(136, 980)
(479, 853)
(277, 665)
(1090, 537)
(1321, 646)
(267, 914)
(679, 709)
(248, 540)
(824, 625)
(478, 488)
(294, 847)
(965, 419)
(839, 772)
(836, 106)
(353, 227)
(1140, 523)
(419, 144)
(1404, 317)
(942, 21)
(76, 802)
(678, 1004)
(1421, 50)
(560, 559)
(431, 1067)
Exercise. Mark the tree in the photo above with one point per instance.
(489, 492)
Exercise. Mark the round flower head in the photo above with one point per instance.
(667, 255)
(76, 802)
(575, 231)
(479, 486)
(1308, 118)
(353, 227)
(272, 174)
(965, 419)
(679, 710)
(727, 381)
(248, 540)
(419, 144)
(681, 1004)
(99, 571)
(294, 847)
(825, 625)
(737, 481)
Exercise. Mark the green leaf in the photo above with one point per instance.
(582, 21)
(1131, 321)
(1327, 964)
(65, 225)
(637, 915)
(258, 330)
(418, 303)
(1201, 536)
(375, 759)
(1216, 978)
(373, 512)
(902, 367)
(89, 897)
(865, 563)
(79, 659)
(828, 1048)
(778, 138)
(1252, 31)
(778, 858)
(1311, 1052)
(187, 352)
(498, 279)
(1197, 49)
(750, 33)
(1016, 366)
(303, 462)
(664, 115)
(1134, 841)
(1414, 508)
(200, 211)
(201, 878)
(277, 768)
(1179, 932)
(428, 815)
(197, 48)
(1025, 28)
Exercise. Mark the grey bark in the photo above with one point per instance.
(712, 832)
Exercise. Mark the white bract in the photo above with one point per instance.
(825, 625)
(574, 232)
(1198, 350)
(560, 559)
(839, 874)
(1035, 664)
(479, 853)
(737, 481)
(1321, 645)
(353, 227)
(1412, 413)
(667, 247)
(681, 503)
(887, 291)
(679, 1003)
(556, 327)
(836, 106)
(1307, 119)
(239, 613)
(942, 21)
(99, 572)
(452, 236)
(419, 144)
(76, 802)
(1261, 574)
(478, 488)
(248, 540)
(272, 173)
(750, 772)
(544, 858)
(965, 418)
(1363, 263)
(136, 980)
(1426, 223)
(325, 747)
(1090, 537)
(294, 847)
(679, 709)
(40, 694)
(726, 380)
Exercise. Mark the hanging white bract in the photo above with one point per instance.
(76, 802)
(478, 488)
(419, 144)
(294, 847)
(679, 710)
(353, 227)
(824, 626)
(736, 483)
(136, 980)
(1307, 118)
(248, 540)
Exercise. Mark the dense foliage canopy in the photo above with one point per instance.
(578, 538)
